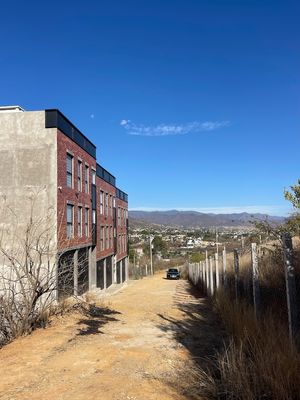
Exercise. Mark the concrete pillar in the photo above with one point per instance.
(114, 269)
(92, 269)
(121, 270)
(75, 263)
(126, 269)
(104, 274)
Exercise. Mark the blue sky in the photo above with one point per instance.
(192, 104)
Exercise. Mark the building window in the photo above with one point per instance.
(79, 176)
(101, 201)
(119, 216)
(87, 172)
(79, 217)
(107, 238)
(106, 204)
(93, 177)
(87, 216)
(69, 170)
(111, 237)
(111, 204)
(70, 219)
(102, 238)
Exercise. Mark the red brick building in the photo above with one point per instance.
(89, 213)
(92, 214)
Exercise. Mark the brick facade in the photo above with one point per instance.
(98, 244)
(77, 197)
(122, 227)
(106, 194)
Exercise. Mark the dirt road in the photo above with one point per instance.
(141, 343)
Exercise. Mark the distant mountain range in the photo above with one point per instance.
(194, 219)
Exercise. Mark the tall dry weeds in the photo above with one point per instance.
(259, 362)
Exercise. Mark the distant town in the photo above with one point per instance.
(171, 243)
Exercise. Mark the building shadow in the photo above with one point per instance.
(94, 318)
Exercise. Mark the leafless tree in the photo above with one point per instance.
(31, 271)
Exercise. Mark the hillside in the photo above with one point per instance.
(196, 219)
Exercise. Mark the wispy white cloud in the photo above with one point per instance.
(171, 129)
(263, 209)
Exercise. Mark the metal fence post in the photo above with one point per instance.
(290, 282)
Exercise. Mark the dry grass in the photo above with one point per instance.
(259, 361)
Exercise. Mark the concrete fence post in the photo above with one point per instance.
(217, 271)
(255, 279)
(194, 274)
(224, 269)
(211, 276)
(200, 272)
(236, 273)
(207, 272)
(290, 282)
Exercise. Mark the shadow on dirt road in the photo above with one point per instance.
(199, 329)
(94, 318)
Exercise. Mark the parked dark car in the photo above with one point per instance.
(173, 273)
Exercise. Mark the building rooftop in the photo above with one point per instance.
(55, 119)
(11, 109)
(105, 175)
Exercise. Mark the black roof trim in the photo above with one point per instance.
(55, 119)
(105, 175)
(122, 195)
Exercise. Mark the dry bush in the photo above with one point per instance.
(29, 275)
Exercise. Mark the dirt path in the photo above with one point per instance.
(140, 344)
